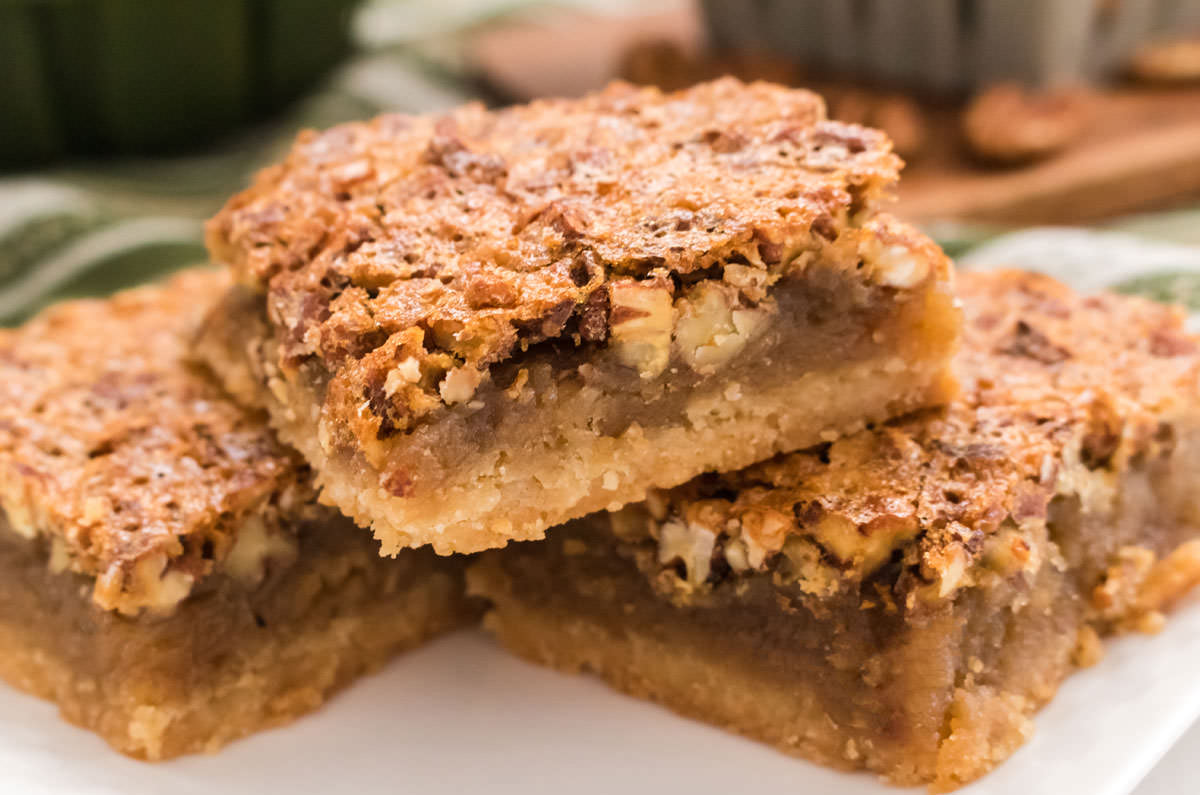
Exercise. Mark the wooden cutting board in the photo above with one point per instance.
(1142, 150)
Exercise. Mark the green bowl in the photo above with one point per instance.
(142, 76)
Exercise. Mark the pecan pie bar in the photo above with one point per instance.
(166, 575)
(479, 325)
(903, 599)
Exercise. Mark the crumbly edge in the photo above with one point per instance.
(605, 472)
(342, 612)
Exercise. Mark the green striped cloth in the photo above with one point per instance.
(91, 229)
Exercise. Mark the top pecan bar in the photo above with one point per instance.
(556, 305)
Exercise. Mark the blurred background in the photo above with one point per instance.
(1058, 135)
(126, 122)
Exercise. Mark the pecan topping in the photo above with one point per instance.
(593, 318)
(1102, 433)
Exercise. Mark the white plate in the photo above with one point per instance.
(463, 716)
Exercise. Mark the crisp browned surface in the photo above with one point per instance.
(126, 455)
(1060, 391)
(463, 239)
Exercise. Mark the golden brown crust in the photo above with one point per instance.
(1060, 393)
(457, 242)
(133, 463)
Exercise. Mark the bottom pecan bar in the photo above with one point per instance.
(166, 575)
(904, 599)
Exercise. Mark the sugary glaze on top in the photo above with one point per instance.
(440, 245)
(1061, 393)
(132, 465)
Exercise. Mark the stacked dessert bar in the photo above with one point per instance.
(782, 485)
(481, 325)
